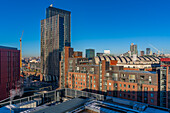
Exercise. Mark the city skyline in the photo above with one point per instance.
(129, 22)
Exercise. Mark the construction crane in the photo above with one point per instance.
(155, 49)
(21, 50)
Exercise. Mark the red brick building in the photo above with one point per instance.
(109, 79)
(9, 70)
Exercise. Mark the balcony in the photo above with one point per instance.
(84, 71)
(91, 72)
(163, 89)
(163, 83)
(163, 77)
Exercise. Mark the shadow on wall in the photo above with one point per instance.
(156, 98)
(51, 68)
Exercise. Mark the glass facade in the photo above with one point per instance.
(90, 53)
(55, 34)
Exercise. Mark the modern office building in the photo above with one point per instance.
(133, 49)
(55, 34)
(90, 53)
(9, 70)
(142, 53)
(148, 51)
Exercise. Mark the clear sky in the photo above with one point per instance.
(98, 24)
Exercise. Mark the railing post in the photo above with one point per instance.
(75, 93)
(43, 98)
(58, 96)
(55, 98)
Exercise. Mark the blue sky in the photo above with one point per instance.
(98, 24)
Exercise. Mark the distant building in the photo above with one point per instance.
(133, 49)
(90, 53)
(107, 75)
(142, 53)
(127, 54)
(9, 70)
(148, 51)
(78, 54)
(99, 54)
(55, 34)
(107, 52)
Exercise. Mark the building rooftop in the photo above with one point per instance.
(79, 102)
(5, 47)
(64, 107)
(134, 71)
(58, 9)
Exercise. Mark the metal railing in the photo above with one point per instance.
(55, 95)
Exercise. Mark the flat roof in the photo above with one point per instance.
(134, 71)
(64, 107)
(58, 9)
(5, 47)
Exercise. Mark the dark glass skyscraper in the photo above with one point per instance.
(90, 53)
(148, 51)
(133, 49)
(55, 34)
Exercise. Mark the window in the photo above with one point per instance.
(124, 85)
(152, 95)
(120, 89)
(110, 84)
(94, 77)
(150, 78)
(94, 81)
(115, 85)
(125, 90)
(109, 88)
(120, 94)
(133, 87)
(152, 100)
(145, 89)
(132, 77)
(128, 86)
(142, 77)
(133, 92)
(120, 85)
(152, 89)
(94, 86)
(123, 75)
(128, 96)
